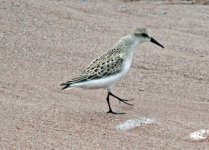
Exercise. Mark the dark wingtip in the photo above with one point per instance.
(66, 86)
(62, 84)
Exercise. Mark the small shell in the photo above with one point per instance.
(133, 123)
(199, 135)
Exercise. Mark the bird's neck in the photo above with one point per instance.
(129, 43)
(135, 42)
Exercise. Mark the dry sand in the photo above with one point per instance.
(44, 43)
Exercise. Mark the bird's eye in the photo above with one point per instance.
(144, 35)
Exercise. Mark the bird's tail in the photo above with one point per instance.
(71, 83)
(66, 85)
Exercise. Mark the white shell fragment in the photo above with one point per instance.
(133, 123)
(199, 135)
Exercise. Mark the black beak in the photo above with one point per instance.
(156, 42)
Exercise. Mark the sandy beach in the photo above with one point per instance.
(45, 43)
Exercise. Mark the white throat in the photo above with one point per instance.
(135, 42)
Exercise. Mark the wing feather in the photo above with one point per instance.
(108, 64)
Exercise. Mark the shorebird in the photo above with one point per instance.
(112, 66)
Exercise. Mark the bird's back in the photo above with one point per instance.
(109, 64)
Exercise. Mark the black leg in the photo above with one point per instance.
(120, 99)
(108, 102)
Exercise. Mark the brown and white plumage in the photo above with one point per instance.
(112, 66)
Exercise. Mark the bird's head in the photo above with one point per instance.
(144, 35)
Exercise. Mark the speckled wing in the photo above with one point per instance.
(108, 64)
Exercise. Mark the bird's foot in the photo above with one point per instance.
(115, 113)
(125, 101)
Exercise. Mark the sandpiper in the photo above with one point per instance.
(112, 66)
